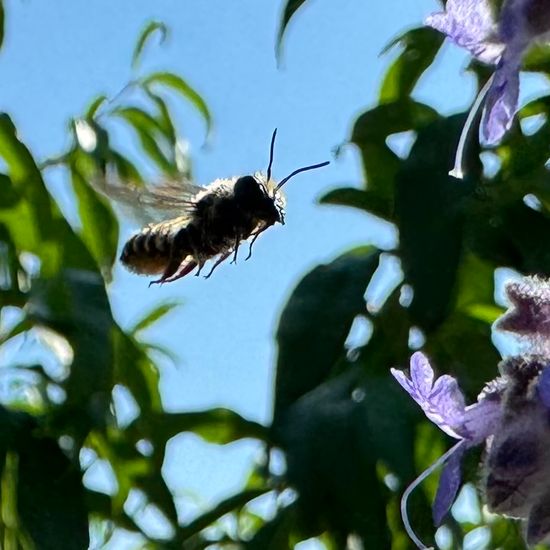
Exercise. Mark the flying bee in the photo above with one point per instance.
(194, 224)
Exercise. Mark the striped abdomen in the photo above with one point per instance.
(152, 249)
(148, 252)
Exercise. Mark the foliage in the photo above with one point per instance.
(351, 439)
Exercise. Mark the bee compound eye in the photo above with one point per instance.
(246, 185)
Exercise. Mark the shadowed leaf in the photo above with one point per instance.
(316, 321)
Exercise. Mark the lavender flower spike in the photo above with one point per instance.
(443, 403)
(497, 40)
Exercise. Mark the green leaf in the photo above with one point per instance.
(164, 119)
(331, 461)
(429, 206)
(419, 48)
(126, 169)
(380, 163)
(145, 35)
(363, 199)
(135, 370)
(35, 223)
(227, 505)
(75, 305)
(99, 225)
(179, 85)
(316, 321)
(153, 316)
(147, 130)
(276, 533)
(220, 426)
(291, 7)
(2, 23)
(94, 106)
(51, 496)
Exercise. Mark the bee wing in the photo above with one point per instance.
(152, 204)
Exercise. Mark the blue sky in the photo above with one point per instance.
(58, 56)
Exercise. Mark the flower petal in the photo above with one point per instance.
(471, 25)
(422, 374)
(482, 419)
(445, 406)
(449, 483)
(502, 101)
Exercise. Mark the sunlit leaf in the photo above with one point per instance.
(153, 316)
(147, 129)
(179, 85)
(290, 9)
(145, 35)
(419, 47)
(99, 226)
(95, 105)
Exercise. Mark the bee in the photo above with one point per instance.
(516, 481)
(194, 224)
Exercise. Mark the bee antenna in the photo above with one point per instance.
(300, 170)
(271, 150)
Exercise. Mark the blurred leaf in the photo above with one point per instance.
(27, 182)
(51, 496)
(99, 225)
(227, 505)
(389, 414)
(134, 369)
(219, 426)
(357, 198)
(179, 85)
(145, 35)
(164, 119)
(2, 23)
(290, 9)
(429, 209)
(146, 128)
(75, 305)
(275, 534)
(419, 48)
(153, 316)
(94, 106)
(126, 169)
(331, 462)
(316, 321)
(380, 163)
(538, 59)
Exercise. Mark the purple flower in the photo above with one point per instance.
(511, 418)
(443, 403)
(529, 315)
(501, 41)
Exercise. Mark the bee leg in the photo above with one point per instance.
(237, 243)
(250, 246)
(185, 270)
(221, 259)
(172, 267)
(178, 253)
(201, 265)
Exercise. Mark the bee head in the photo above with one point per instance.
(273, 191)
(253, 196)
